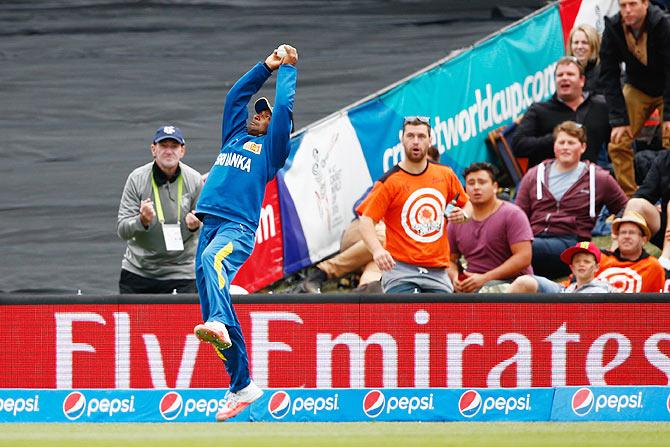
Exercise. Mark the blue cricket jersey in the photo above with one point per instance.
(235, 187)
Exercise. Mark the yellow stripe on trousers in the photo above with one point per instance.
(218, 262)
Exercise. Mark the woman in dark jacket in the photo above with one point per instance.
(584, 44)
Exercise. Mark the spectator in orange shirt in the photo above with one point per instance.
(412, 198)
(629, 268)
(354, 254)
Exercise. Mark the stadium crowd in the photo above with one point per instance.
(418, 229)
(580, 145)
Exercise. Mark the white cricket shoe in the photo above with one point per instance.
(236, 402)
(213, 332)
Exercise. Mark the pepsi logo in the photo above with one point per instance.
(470, 403)
(170, 405)
(74, 405)
(279, 404)
(373, 403)
(582, 401)
(667, 403)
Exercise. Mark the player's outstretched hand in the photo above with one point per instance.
(274, 60)
(291, 57)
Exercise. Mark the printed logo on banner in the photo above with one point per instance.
(373, 403)
(170, 405)
(667, 403)
(279, 404)
(74, 405)
(376, 403)
(470, 403)
(582, 401)
(20, 405)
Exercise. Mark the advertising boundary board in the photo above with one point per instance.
(340, 341)
(338, 298)
(561, 404)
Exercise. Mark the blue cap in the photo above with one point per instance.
(262, 104)
(169, 132)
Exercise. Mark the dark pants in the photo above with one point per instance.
(408, 287)
(132, 283)
(547, 250)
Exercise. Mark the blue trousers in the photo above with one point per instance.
(222, 249)
(546, 255)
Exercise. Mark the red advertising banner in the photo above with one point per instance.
(266, 263)
(437, 344)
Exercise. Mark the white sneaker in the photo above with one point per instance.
(213, 332)
(236, 402)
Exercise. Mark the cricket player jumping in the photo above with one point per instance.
(229, 207)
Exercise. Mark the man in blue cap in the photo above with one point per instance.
(157, 220)
(230, 204)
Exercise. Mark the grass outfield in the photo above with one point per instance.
(343, 434)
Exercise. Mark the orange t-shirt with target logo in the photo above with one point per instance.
(412, 207)
(644, 275)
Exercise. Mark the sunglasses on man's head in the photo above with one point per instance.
(414, 119)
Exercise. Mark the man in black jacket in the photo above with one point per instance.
(656, 187)
(638, 36)
(533, 138)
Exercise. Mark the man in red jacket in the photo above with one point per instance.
(562, 198)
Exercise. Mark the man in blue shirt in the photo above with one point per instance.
(229, 207)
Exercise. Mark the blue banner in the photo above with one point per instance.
(644, 403)
(342, 405)
(467, 96)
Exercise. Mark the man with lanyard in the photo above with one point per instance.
(156, 218)
(230, 205)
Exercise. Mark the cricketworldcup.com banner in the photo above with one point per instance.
(341, 343)
(465, 97)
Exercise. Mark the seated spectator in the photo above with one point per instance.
(354, 254)
(411, 199)
(562, 198)
(629, 268)
(162, 239)
(656, 187)
(584, 44)
(533, 137)
(583, 259)
(495, 242)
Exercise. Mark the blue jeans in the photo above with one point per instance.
(547, 250)
(545, 285)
